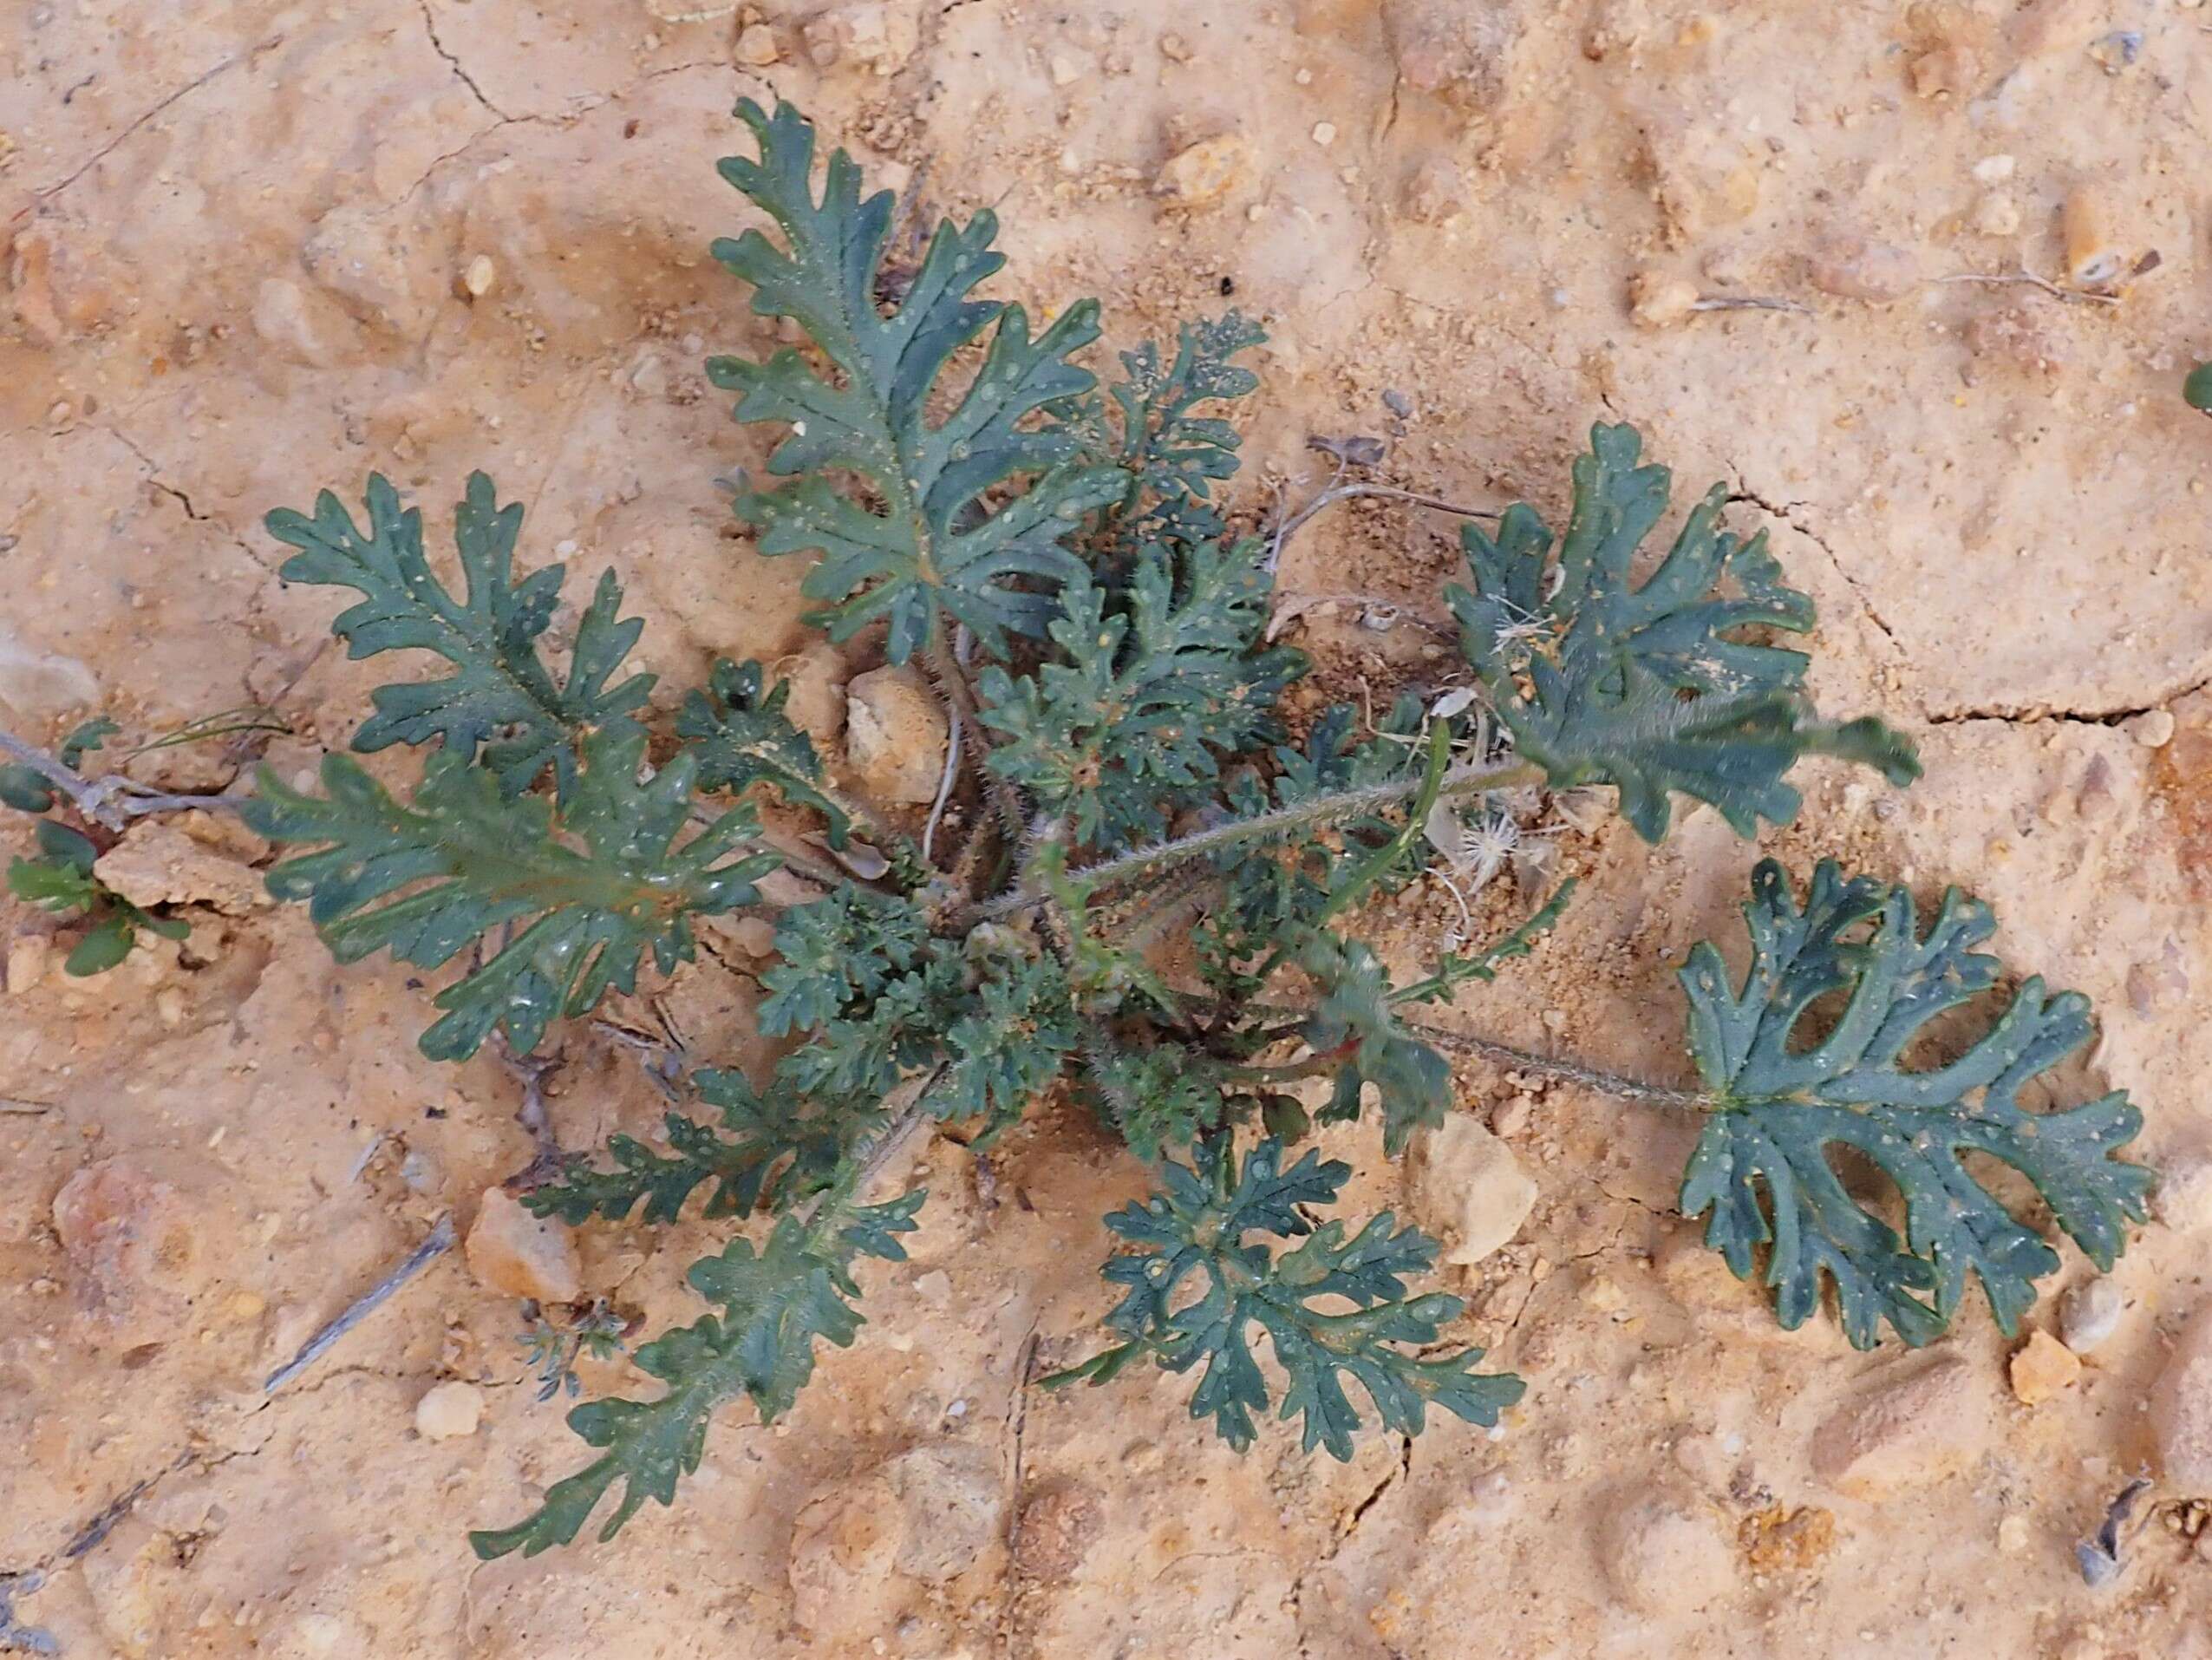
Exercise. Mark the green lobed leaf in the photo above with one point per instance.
(501, 698)
(774, 1303)
(1151, 685)
(85, 737)
(1785, 1104)
(1172, 456)
(837, 950)
(1196, 1229)
(1413, 1082)
(577, 896)
(742, 737)
(777, 1147)
(1650, 689)
(946, 542)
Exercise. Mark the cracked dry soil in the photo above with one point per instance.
(233, 240)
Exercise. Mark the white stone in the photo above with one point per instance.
(895, 735)
(2180, 1407)
(1659, 1557)
(449, 1411)
(2088, 1314)
(1469, 1189)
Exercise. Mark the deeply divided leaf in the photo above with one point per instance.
(934, 539)
(774, 1303)
(1149, 687)
(779, 1146)
(1792, 1094)
(1654, 687)
(1198, 1283)
(742, 737)
(562, 905)
(501, 697)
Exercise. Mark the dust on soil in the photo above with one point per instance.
(236, 238)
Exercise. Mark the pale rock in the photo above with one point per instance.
(2182, 1198)
(1204, 172)
(895, 735)
(37, 685)
(517, 1254)
(2089, 1313)
(952, 1499)
(1856, 267)
(1659, 1557)
(756, 46)
(157, 863)
(815, 703)
(1468, 1189)
(2181, 1407)
(873, 35)
(478, 275)
(449, 1411)
(2013, 1534)
(2153, 729)
(2042, 1369)
(1912, 1426)
(1656, 301)
(28, 957)
(1175, 48)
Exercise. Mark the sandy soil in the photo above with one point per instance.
(234, 237)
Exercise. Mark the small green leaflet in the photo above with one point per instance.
(577, 896)
(501, 697)
(1784, 1105)
(1152, 684)
(835, 952)
(1646, 688)
(1173, 457)
(742, 737)
(774, 1303)
(1194, 1230)
(61, 881)
(774, 1148)
(939, 549)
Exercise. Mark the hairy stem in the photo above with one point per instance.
(1610, 1083)
(1321, 809)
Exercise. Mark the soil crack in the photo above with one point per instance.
(154, 113)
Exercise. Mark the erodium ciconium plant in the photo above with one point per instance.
(962, 493)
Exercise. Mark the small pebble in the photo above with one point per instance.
(2088, 1313)
(2042, 1370)
(478, 277)
(449, 1411)
(756, 46)
(2153, 729)
(1324, 134)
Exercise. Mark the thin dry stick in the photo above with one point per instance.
(534, 1115)
(1999, 280)
(439, 1241)
(111, 800)
(1336, 492)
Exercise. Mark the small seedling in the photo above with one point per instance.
(1127, 772)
